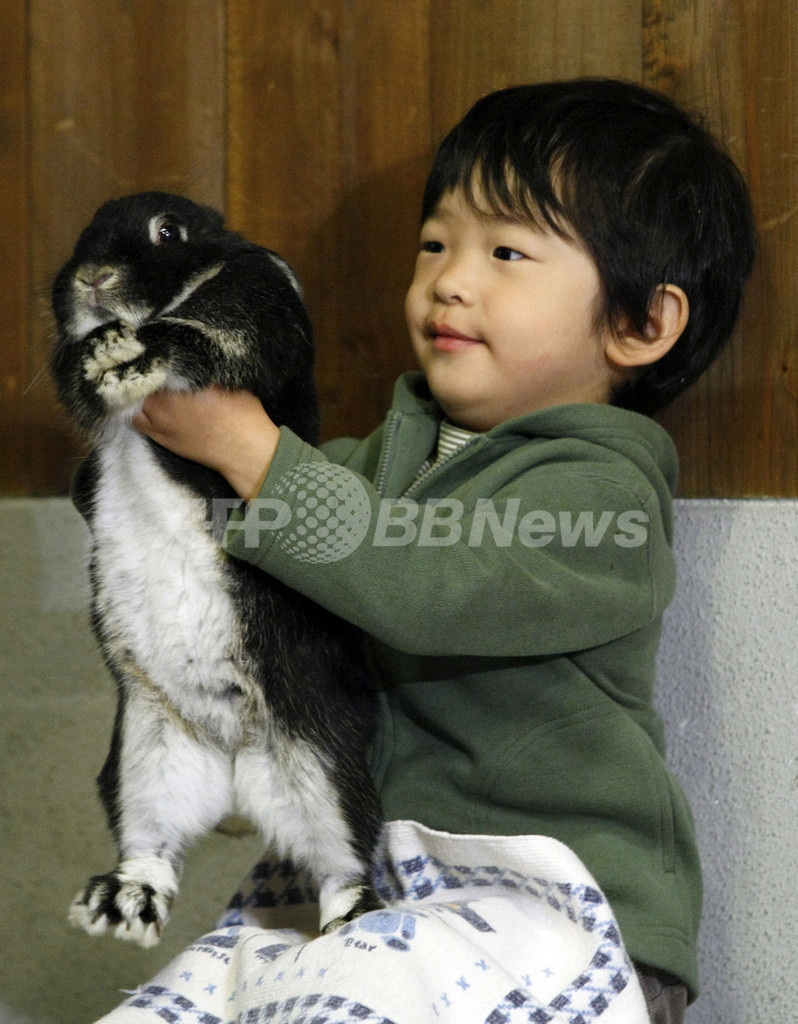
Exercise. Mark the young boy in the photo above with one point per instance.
(584, 247)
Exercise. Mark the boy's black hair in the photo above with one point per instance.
(646, 189)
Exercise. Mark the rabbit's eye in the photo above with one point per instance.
(164, 230)
(168, 232)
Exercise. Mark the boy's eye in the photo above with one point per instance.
(431, 245)
(504, 252)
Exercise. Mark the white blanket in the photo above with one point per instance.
(500, 930)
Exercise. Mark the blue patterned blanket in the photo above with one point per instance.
(500, 930)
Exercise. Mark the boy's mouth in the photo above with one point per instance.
(446, 339)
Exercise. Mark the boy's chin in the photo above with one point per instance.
(465, 414)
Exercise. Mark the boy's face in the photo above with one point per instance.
(502, 317)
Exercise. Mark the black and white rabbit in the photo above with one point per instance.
(235, 694)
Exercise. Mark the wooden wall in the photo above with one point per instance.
(312, 123)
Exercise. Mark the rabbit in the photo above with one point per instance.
(235, 693)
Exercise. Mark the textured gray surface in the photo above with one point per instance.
(728, 686)
(728, 690)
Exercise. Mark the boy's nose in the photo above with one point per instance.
(454, 282)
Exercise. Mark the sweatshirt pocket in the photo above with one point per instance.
(590, 772)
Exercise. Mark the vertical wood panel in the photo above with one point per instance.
(737, 61)
(123, 97)
(477, 48)
(14, 287)
(386, 136)
(329, 172)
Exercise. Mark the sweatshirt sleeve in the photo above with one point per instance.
(588, 561)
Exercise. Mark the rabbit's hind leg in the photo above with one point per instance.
(291, 795)
(162, 789)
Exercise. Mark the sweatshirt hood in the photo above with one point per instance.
(631, 434)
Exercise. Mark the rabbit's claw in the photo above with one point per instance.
(132, 902)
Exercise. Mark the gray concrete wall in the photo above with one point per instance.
(728, 688)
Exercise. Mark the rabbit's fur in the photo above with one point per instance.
(235, 694)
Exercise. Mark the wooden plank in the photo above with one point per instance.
(334, 110)
(329, 173)
(737, 62)
(351, 100)
(385, 95)
(477, 48)
(14, 284)
(124, 97)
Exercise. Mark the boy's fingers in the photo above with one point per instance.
(141, 421)
(155, 407)
(147, 417)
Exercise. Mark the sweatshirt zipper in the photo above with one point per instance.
(465, 449)
(386, 458)
(387, 451)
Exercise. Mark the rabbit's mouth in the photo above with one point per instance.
(97, 298)
(87, 315)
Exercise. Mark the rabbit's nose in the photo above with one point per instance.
(96, 284)
(98, 278)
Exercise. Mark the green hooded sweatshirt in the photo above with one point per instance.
(512, 629)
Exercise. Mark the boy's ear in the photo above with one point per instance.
(667, 318)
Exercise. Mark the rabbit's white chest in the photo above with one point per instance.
(159, 587)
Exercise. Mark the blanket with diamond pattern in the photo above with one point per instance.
(500, 930)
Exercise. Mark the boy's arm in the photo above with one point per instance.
(474, 596)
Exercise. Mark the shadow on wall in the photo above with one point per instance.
(356, 269)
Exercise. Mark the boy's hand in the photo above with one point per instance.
(228, 431)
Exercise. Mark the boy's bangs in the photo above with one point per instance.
(501, 175)
(503, 192)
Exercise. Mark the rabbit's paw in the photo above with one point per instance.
(123, 387)
(121, 370)
(117, 345)
(132, 902)
(341, 904)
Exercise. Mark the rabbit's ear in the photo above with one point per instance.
(288, 270)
